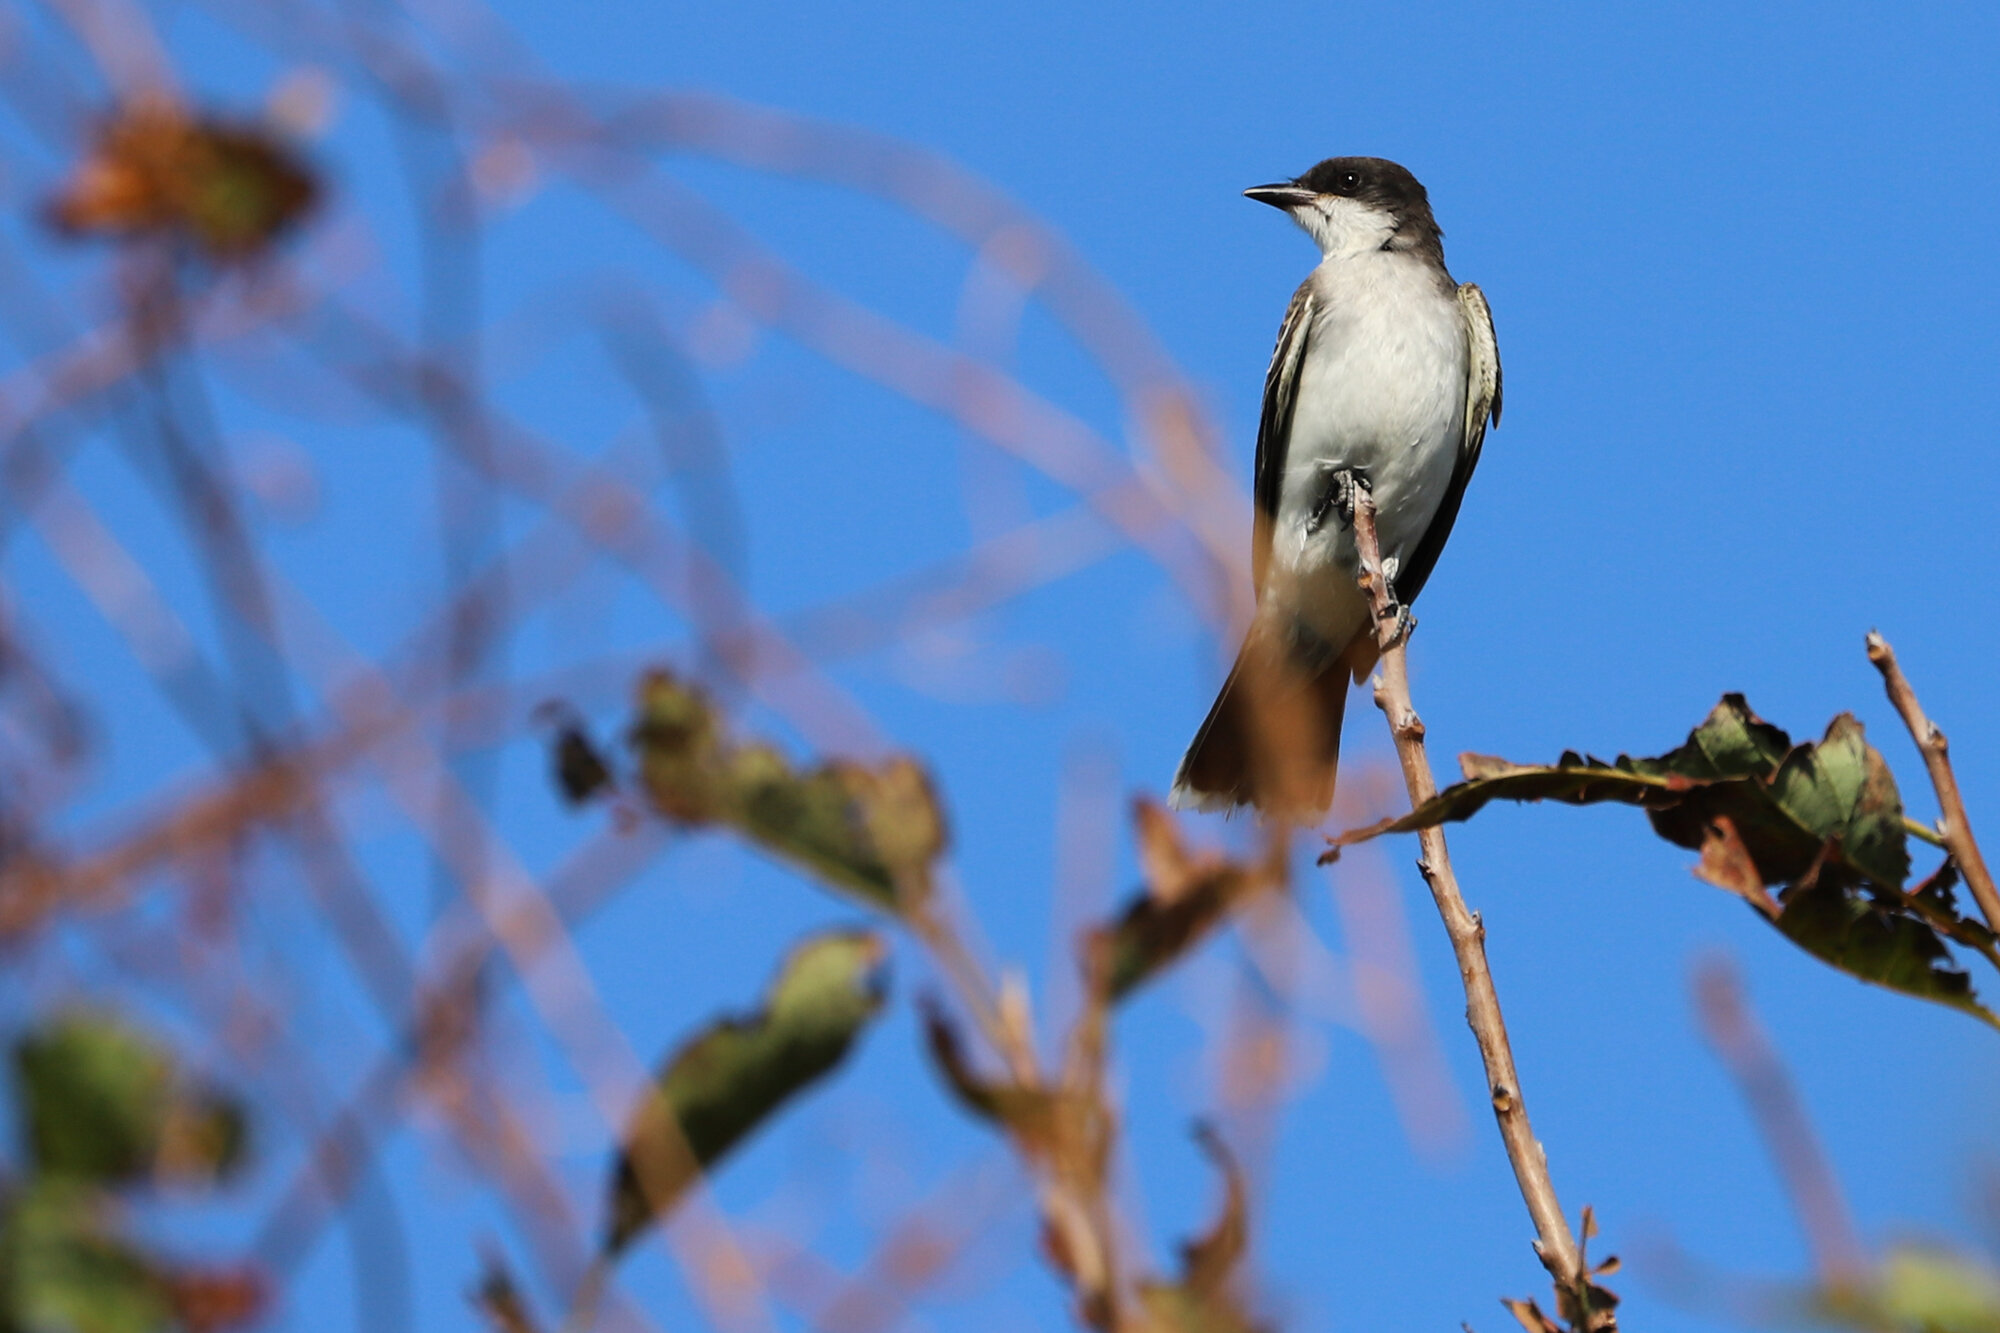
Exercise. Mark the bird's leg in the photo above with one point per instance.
(1338, 497)
(1396, 610)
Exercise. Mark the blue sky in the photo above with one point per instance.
(1741, 265)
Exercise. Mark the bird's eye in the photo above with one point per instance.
(1348, 182)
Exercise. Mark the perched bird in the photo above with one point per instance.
(1385, 375)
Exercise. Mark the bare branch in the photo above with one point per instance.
(1952, 823)
(1555, 1243)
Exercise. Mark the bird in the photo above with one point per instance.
(1386, 375)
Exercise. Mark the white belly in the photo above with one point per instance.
(1382, 389)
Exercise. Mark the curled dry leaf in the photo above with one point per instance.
(1185, 896)
(1065, 1133)
(208, 1299)
(873, 833)
(719, 1087)
(1204, 1300)
(1030, 1116)
(1727, 864)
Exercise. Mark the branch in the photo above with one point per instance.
(1555, 1244)
(1952, 824)
(1746, 1049)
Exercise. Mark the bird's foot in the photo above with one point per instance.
(1402, 623)
(1342, 483)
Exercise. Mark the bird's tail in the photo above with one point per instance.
(1272, 739)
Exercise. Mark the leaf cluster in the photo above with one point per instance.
(873, 833)
(1821, 823)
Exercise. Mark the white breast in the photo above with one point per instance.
(1382, 389)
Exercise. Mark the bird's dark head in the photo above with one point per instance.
(1354, 204)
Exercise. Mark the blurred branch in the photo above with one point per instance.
(1577, 1296)
(1953, 825)
(1754, 1062)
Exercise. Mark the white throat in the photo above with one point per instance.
(1344, 227)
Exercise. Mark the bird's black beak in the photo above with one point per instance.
(1286, 195)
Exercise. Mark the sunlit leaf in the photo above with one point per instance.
(720, 1086)
(1875, 936)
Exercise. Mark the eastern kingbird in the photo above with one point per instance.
(1386, 373)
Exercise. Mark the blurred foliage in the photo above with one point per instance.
(720, 1086)
(872, 832)
(63, 1265)
(580, 768)
(102, 1110)
(499, 1299)
(1821, 822)
(228, 190)
(1204, 1299)
(1186, 894)
(101, 1104)
(1915, 1289)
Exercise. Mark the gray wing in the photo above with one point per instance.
(1274, 428)
(1482, 405)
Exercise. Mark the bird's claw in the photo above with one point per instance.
(1342, 483)
(1402, 622)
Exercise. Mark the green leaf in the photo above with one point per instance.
(1842, 791)
(63, 1269)
(716, 1089)
(871, 832)
(100, 1102)
(1877, 938)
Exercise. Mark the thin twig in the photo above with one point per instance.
(1952, 824)
(1555, 1244)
